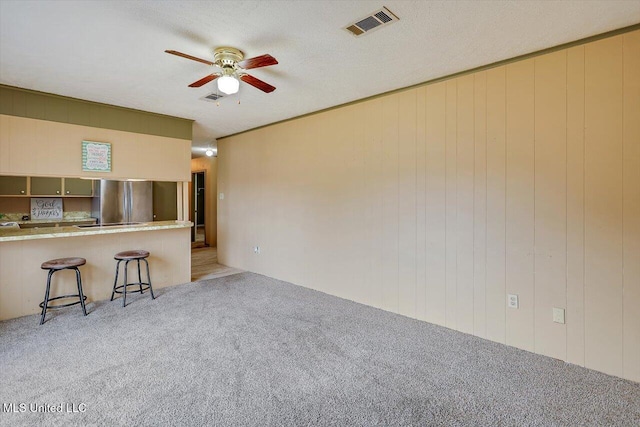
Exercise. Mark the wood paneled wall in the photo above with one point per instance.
(438, 201)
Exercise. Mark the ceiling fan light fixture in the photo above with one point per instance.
(228, 84)
(232, 62)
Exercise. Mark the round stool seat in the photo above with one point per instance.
(62, 263)
(128, 255)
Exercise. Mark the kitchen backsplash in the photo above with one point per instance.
(65, 215)
(14, 208)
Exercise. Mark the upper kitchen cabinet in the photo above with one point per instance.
(13, 185)
(41, 186)
(78, 187)
(45, 186)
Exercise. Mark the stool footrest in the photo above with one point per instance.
(53, 307)
(145, 286)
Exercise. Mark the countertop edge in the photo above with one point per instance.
(72, 231)
(53, 221)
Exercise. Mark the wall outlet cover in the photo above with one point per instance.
(221, 196)
(558, 315)
(512, 301)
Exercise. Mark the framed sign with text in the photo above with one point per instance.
(46, 208)
(96, 156)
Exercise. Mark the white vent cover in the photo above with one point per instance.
(212, 97)
(372, 22)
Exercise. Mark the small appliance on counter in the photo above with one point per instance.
(9, 225)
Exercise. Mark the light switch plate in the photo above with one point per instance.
(512, 301)
(221, 196)
(558, 315)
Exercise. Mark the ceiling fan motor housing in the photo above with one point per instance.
(227, 57)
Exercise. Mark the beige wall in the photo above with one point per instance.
(210, 166)
(47, 148)
(438, 201)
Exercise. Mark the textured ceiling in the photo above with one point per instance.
(113, 51)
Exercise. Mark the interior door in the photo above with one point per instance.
(198, 208)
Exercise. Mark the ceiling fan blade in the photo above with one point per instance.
(205, 80)
(257, 83)
(193, 58)
(257, 62)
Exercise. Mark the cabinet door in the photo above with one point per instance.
(46, 186)
(165, 201)
(78, 187)
(13, 185)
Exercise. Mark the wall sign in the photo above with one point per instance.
(96, 156)
(46, 208)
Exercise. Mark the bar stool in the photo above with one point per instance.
(58, 265)
(127, 256)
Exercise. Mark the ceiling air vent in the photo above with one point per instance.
(376, 20)
(212, 97)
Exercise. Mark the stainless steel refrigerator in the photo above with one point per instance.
(119, 202)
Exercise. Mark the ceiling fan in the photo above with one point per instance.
(233, 65)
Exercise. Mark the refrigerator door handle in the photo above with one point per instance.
(126, 201)
(129, 193)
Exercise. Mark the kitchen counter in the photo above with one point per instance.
(22, 281)
(75, 231)
(44, 223)
(47, 222)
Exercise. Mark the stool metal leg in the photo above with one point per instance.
(46, 297)
(124, 287)
(149, 278)
(125, 284)
(140, 278)
(79, 282)
(115, 282)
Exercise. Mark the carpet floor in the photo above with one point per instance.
(247, 350)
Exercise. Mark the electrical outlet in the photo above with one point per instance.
(221, 196)
(256, 249)
(512, 301)
(558, 315)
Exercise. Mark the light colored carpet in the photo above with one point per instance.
(247, 350)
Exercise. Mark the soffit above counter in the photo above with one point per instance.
(20, 102)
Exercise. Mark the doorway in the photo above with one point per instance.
(198, 232)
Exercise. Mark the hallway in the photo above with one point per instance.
(204, 265)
